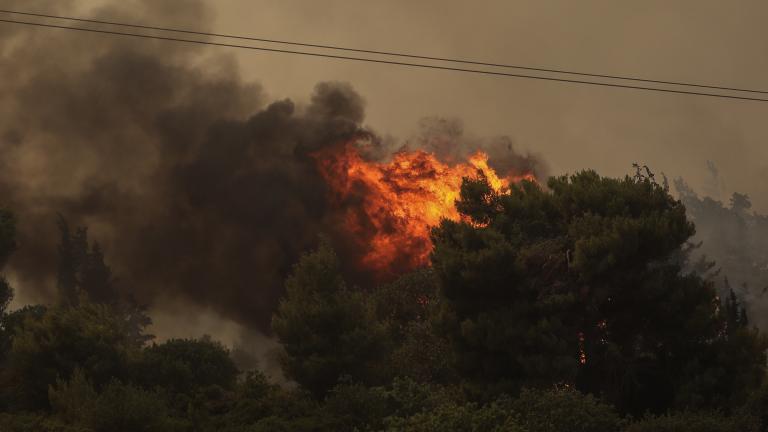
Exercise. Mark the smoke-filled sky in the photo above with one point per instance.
(156, 146)
(700, 41)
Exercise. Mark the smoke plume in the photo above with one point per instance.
(197, 188)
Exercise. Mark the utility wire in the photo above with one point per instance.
(417, 65)
(388, 53)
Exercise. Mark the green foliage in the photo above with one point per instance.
(10, 325)
(198, 377)
(406, 308)
(580, 284)
(424, 355)
(126, 408)
(727, 372)
(186, 365)
(118, 408)
(73, 401)
(260, 406)
(84, 275)
(408, 397)
(693, 422)
(506, 332)
(356, 407)
(35, 422)
(327, 329)
(452, 417)
(255, 399)
(12, 322)
(564, 410)
(406, 300)
(306, 423)
(552, 294)
(135, 320)
(756, 407)
(53, 345)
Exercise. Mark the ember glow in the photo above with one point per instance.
(389, 207)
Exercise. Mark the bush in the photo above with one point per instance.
(126, 408)
(452, 417)
(73, 401)
(119, 408)
(694, 422)
(564, 410)
(186, 365)
(51, 346)
(356, 407)
(408, 397)
(32, 422)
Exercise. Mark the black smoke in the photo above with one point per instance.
(196, 188)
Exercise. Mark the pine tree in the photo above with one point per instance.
(70, 258)
(96, 278)
(327, 329)
(581, 283)
(84, 275)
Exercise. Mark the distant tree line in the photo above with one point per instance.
(571, 307)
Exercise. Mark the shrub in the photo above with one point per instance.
(564, 410)
(453, 417)
(694, 422)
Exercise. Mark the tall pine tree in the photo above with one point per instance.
(84, 275)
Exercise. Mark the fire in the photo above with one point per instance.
(389, 207)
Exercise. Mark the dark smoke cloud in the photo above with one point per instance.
(197, 189)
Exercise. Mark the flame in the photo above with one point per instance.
(389, 207)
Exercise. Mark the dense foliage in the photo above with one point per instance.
(583, 284)
(570, 307)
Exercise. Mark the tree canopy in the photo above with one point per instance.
(582, 282)
(574, 305)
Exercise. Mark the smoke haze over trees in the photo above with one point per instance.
(735, 238)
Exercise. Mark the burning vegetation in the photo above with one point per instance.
(389, 207)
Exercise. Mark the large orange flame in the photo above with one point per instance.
(389, 207)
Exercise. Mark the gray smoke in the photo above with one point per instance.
(448, 139)
(735, 237)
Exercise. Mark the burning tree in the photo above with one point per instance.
(388, 208)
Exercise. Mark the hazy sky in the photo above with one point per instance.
(572, 126)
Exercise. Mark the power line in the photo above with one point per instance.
(388, 53)
(390, 62)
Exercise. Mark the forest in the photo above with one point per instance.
(581, 305)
